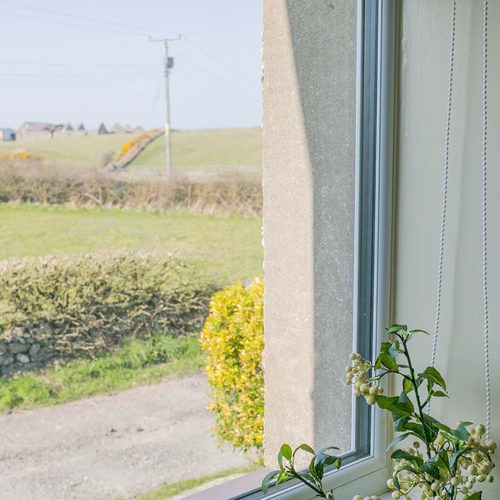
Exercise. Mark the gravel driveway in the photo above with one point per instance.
(113, 445)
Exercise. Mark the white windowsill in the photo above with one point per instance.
(353, 479)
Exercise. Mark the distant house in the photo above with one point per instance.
(7, 134)
(128, 129)
(102, 129)
(30, 130)
(37, 130)
(138, 130)
(117, 129)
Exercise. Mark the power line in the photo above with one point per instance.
(79, 65)
(215, 76)
(48, 77)
(72, 25)
(137, 30)
(217, 60)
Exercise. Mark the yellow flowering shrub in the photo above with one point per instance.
(233, 337)
(139, 139)
(16, 155)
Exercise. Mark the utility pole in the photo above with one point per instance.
(168, 64)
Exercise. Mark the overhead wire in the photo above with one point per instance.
(137, 31)
(71, 25)
(72, 65)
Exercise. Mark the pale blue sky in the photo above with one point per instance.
(90, 61)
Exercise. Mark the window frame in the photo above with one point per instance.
(365, 468)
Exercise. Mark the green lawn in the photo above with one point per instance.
(227, 246)
(137, 362)
(217, 150)
(77, 151)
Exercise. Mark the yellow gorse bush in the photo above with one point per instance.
(16, 155)
(233, 337)
(145, 136)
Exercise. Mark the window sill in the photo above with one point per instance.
(358, 478)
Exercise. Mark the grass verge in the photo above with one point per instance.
(226, 247)
(136, 362)
(170, 490)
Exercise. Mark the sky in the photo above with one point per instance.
(90, 61)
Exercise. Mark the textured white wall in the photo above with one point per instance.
(309, 146)
(424, 74)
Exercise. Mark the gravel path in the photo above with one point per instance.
(110, 446)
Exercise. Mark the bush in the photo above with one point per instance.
(83, 305)
(233, 337)
(35, 182)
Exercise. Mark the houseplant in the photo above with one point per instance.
(442, 462)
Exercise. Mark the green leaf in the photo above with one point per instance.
(324, 451)
(286, 451)
(461, 433)
(398, 328)
(417, 430)
(385, 346)
(280, 460)
(418, 330)
(313, 472)
(305, 447)
(431, 469)
(392, 404)
(268, 480)
(398, 439)
(388, 361)
(401, 454)
(476, 496)
(439, 394)
(400, 423)
(407, 386)
(434, 376)
(395, 480)
(438, 424)
(454, 458)
(405, 403)
(323, 459)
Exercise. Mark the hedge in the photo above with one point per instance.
(83, 305)
(35, 182)
(233, 337)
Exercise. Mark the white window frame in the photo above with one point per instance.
(374, 149)
(365, 471)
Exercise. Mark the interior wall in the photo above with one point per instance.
(423, 101)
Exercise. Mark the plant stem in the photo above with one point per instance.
(307, 483)
(417, 396)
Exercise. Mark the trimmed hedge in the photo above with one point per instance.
(34, 182)
(233, 337)
(88, 304)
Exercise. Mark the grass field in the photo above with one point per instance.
(217, 150)
(77, 151)
(192, 150)
(228, 247)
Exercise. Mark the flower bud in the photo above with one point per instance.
(480, 429)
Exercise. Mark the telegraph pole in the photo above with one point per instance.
(168, 64)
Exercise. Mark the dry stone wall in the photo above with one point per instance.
(20, 351)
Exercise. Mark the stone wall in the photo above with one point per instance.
(19, 351)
